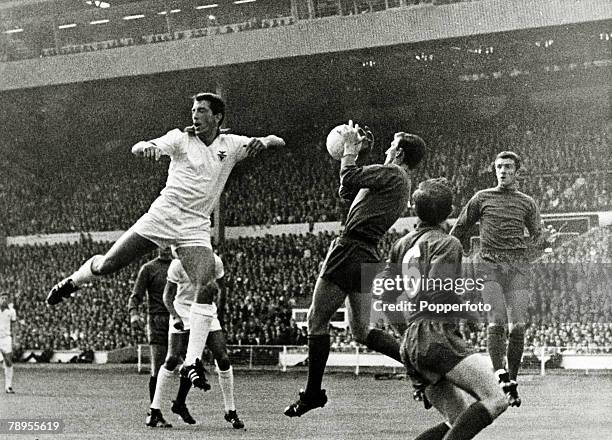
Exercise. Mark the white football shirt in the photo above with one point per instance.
(185, 292)
(198, 173)
(7, 316)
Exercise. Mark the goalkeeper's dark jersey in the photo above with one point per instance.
(150, 283)
(381, 194)
(437, 257)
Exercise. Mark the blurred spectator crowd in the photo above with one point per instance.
(267, 277)
(566, 169)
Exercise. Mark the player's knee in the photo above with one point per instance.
(497, 328)
(517, 330)
(223, 363)
(104, 265)
(171, 362)
(8, 361)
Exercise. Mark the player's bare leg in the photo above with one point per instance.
(128, 248)
(473, 375)
(327, 298)
(450, 401)
(8, 372)
(217, 345)
(199, 264)
(359, 306)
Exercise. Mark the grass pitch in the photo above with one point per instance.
(110, 402)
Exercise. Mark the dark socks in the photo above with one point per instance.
(152, 384)
(516, 344)
(470, 422)
(184, 386)
(496, 344)
(318, 352)
(384, 343)
(435, 433)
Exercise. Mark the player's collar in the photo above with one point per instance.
(424, 225)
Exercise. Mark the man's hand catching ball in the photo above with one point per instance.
(354, 140)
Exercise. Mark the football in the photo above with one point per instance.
(335, 141)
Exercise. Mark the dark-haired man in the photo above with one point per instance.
(379, 196)
(504, 213)
(201, 160)
(456, 380)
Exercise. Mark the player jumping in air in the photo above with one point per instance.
(457, 381)
(178, 297)
(8, 321)
(504, 213)
(201, 159)
(379, 195)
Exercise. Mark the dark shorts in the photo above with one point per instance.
(510, 273)
(342, 265)
(158, 329)
(433, 348)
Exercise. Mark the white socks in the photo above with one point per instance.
(8, 377)
(200, 317)
(164, 377)
(226, 382)
(84, 273)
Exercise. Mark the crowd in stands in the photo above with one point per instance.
(567, 169)
(267, 277)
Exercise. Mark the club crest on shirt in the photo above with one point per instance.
(222, 155)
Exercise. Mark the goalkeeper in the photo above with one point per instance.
(379, 195)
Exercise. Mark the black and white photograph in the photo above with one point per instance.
(306, 219)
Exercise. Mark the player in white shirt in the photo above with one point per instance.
(201, 159)
(178, 297)
(8, 320)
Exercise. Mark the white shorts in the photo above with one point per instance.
(183, 311)
(6, 344)
(168, 225)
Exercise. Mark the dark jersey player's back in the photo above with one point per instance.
(437, 257)
(383, 192)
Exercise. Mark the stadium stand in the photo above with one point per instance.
(109, 191)
(268, 276)
(149, 26)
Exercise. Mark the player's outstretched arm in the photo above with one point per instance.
(147, 150)
(258, 144)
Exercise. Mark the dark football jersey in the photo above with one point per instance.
(382, 195)
(432, 258)
(503, 214)
(150, 283)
